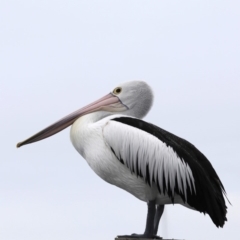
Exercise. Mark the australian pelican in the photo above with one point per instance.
(154, 165)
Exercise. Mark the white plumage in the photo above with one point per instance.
(131, 144)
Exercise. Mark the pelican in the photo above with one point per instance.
(152, 164)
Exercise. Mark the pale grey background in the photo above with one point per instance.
(57, 56)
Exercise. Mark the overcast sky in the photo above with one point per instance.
(58, 56)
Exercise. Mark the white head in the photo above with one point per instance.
(137, 96)
(133, 98)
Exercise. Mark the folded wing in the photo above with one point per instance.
(172, 163)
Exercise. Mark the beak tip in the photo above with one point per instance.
(19, 145)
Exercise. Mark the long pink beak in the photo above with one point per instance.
(109, 103)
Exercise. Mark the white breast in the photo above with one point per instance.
(88, 140)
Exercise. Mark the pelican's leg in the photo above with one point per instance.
(157, 218)
(150, 224)
(150, 219)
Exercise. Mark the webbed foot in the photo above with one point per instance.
(136, 236)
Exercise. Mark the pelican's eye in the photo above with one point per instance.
(117, 90)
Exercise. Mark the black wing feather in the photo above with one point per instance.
(208, 197)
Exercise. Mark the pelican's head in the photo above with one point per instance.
(137, 96)
(130, 98)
